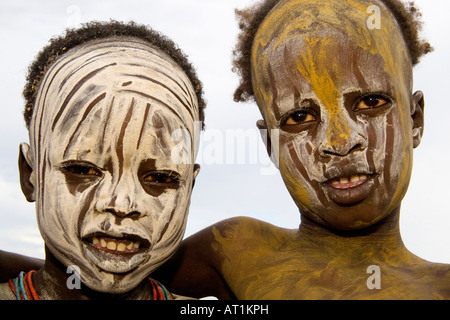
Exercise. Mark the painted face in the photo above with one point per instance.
(113, 195)
(340, 96)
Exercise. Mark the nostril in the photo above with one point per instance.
(356, 147)
(122, 214)
(114, 212)
(341, 151)
(133, 215)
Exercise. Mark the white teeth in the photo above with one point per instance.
(111, 245)
(346, 180)
(115, 246)
(121, 247)
(343, 180)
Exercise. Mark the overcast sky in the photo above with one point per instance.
(227, 186)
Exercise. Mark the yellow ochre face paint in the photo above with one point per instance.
(315, 65)
(312, 67)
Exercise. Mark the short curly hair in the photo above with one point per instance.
(407, 15)
(99, 30)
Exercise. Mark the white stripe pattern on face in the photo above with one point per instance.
(149, 69)
(113, 106)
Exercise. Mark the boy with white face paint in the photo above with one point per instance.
(111, 196)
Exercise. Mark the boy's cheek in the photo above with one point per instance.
(291, 167)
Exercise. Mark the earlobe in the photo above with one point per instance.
(417, 115)
(26, 173)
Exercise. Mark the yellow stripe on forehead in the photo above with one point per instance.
(312, 66)
(316, 23)
(290, 19)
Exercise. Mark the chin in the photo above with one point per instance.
(341, 218)
(105, 282)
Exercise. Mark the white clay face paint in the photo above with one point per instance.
(110, 198)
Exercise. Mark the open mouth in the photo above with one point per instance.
(116, 254)
(350, 190)
(348, 182)
(116, 245)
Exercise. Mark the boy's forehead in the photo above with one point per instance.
(290, 19)
(309, 31)
(123, 74)
(305, 15)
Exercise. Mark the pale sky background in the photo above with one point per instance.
(227, 186)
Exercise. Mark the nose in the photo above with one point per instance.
(119, 199)
(336, 142)
(121, 210)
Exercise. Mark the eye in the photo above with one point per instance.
(372, 102)
(299, 117)
(82, 170)
(161, 178)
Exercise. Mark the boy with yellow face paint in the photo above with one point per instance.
(335, 94)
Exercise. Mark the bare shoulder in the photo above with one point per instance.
(248, 234)
(441, 276)
(5, 292)
(437, 273)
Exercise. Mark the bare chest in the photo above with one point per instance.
(291, 279)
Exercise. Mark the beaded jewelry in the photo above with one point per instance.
(23, 288)
(159, 291)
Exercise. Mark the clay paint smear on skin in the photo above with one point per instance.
(290, 19)
(242, 278)
(89, 118)
(299, 188)
(324, 87)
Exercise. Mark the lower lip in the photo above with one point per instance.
(352, 194)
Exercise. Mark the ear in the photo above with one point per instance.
(26, 173)
(262, 126)
(417, 115)
(271, 140)
(196, 171)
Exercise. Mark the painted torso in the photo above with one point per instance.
(261, 261)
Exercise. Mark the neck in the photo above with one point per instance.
(51, 284)
(378, 242)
